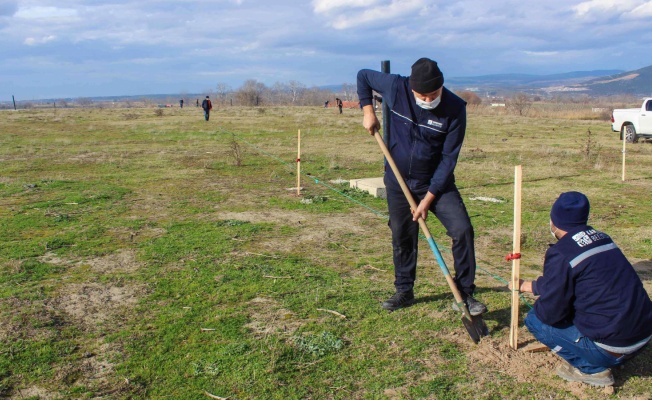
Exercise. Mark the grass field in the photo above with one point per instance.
(139, 260)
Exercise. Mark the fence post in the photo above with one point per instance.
(385, 67)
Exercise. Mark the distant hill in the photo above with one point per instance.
(506, 81)
(638, 83)
(592, 83)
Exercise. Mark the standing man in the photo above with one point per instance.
(428, 125)
(592, 308)
(207, 106)
(181, 103)
(339, 104)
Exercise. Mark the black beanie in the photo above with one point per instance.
(426, 76)
(570, 210)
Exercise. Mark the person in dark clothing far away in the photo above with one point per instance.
(326, 103)
(207, 106)
(592, 310)
(339, 104)
(197, 103)
(428, 124)
(181, 103)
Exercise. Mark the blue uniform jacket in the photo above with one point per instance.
(424, 144)
(588, 281)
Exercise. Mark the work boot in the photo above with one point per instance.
(572, 374)
(474, 306)
(399, 300)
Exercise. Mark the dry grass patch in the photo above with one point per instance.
(94, 304)
(269, 318)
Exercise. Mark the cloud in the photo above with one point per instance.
(600, 8)
(316, 42)
(35, 41)
(45, 12)
(326, 6)
(349, 15)
(641, 12)
(541, 53)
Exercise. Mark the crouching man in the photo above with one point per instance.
(592, 308)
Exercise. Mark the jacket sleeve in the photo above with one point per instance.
(383, 83)
(555, 289)
(450, 152)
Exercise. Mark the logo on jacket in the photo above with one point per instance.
(585, 238)
(435, 123)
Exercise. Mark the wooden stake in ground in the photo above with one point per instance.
(299, 163)
(624, 152)
(516, 259)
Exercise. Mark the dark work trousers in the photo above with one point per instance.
(451, 212)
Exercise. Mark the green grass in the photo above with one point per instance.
(138, 261)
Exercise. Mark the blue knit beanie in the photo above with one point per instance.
(570, 210)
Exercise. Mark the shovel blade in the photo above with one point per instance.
(476, 328)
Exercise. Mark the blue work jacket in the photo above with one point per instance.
(425, 144)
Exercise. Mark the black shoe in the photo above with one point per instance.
(474, 306)
(399, 300)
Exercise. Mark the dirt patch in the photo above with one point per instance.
(293, 218)
(523, 366)
(34, 392)
(268, 317)
(136, 236)
(642, 266)
(92, 303)
(93, 370)
(51, 258)
(122, 261)
(314, 230)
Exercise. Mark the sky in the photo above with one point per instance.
(88, 48)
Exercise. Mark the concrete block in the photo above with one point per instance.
(374, 186)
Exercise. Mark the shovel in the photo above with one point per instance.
(474, 325)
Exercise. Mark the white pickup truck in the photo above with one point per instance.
(633, 123)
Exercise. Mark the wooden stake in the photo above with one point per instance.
(516, 262)
(299, 163)
(624, 152)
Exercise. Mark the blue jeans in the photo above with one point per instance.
(568, 343)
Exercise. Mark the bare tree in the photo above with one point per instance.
(471, 98)
(251, 93)
(348, 91)
(85, 102)
(222, 92)
(297, 90)
(520, 103)
(279, 94)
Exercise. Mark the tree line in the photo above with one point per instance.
(292, 93)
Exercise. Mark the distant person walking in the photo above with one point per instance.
(197, 104)
(326, 103)
(339, 104)
(207, 106)
(181, 103)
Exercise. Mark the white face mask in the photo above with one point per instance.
(428, 105)
(553, 233)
